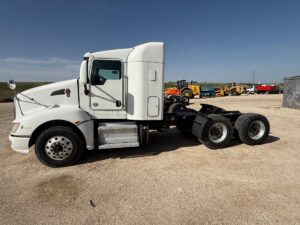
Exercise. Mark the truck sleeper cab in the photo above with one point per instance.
(115, 102)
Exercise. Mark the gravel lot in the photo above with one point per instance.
(173, 180)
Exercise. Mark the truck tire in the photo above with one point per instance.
(252, 128)
(185, 100)
(217, 133)
(187, 93)
(173, 98)
(59, 146)
(175, 107)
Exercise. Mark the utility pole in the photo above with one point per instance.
(253, 76)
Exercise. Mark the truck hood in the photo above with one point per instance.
(49, 95)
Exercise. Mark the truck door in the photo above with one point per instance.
(107, 86)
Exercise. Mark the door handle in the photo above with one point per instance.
(118, 103)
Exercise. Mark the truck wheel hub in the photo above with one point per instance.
(217, 132)
(256, 129)
(58, 148)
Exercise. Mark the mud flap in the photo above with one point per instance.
(199, 125)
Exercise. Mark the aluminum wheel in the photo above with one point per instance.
(256, 129)
(58, 148)
(217, 132)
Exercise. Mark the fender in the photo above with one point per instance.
(199, 124)
(74, 115)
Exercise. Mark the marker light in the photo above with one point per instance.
(15, 127)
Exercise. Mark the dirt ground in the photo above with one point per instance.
(173, 180)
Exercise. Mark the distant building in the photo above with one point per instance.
(291, 92)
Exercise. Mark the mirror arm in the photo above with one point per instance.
(86, 91)
(18, 101)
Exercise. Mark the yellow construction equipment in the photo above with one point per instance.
(196, 89)
(219, 91)
(232, 89)
(184, 89)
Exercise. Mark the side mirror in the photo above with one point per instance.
(83, 72)
(12, 84)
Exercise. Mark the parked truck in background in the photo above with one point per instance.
(117, 99)
(267, 89)
(251, 90)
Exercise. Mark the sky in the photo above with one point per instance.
(206, 40)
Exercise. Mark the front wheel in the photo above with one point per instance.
(187, 93)
(59, 146)
(252, 128)
(217, 133)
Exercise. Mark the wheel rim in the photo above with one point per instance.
(256, 130)
(217, 132)
(58, 148)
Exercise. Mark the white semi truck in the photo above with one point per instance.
(117, 99)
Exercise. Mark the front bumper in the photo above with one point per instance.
(19, 143)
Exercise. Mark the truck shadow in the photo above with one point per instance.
(236, 141)
(159, 142)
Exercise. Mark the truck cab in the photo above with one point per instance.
(123, 84)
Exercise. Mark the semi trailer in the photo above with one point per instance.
(117, 99)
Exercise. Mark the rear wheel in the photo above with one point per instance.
(184, 100)
(217, 133)
(252, 128)
(173, 98)
(176, 107)
(59, 146)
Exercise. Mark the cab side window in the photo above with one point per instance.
(104, 70)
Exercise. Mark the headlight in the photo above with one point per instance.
(15, 127)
